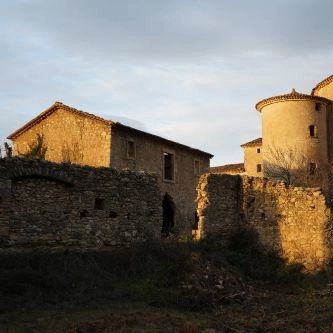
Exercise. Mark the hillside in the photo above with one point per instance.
(163, 287)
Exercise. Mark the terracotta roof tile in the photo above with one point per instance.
(322, 84)
(256, 142)
(232, 168)
(59, 105)
(49, 111)
(293, 96)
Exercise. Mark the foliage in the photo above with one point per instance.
(293, 167)
(151, 272)
(37, 149)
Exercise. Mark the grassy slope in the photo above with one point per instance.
(163, 287)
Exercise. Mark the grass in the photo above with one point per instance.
(153, 274)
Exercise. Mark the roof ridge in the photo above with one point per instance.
(254, 142)
(294, 95)
(55, 106)
(322, 84)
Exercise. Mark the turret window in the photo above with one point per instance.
(259, 168)
(313, 131)
(317, 106)
(312, 168)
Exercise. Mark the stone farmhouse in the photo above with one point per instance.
(77, 137)
(297, 135)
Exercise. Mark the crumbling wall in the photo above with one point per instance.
(48, 204)
(297, 222)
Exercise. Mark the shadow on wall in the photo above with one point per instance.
(49, 204)
(294, 221)
(260, 211)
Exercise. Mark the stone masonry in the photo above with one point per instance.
(48, 204)
(78, 137)
(295, 221)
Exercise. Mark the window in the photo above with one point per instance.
(313, 132)
(258, 167)
(258, 150)
(312, 168)
(113, 214)
(83, 214)
(130, 149)
(168, 165)
(317, 106)
(99, 204)
(196, 167)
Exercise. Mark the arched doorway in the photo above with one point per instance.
(168, 214)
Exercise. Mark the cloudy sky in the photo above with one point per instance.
(188, 70)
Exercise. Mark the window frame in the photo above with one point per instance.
(313, 131)
(166, 171)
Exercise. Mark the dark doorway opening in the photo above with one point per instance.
(168, 214)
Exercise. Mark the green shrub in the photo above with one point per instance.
(37, 149)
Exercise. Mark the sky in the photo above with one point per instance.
(187, 70)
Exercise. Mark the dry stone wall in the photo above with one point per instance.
(297, 222)
(48, 204)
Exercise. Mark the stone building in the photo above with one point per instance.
(297, 137)
(253, 157)
(229, 169)
(82, 138)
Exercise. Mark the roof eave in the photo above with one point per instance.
(322, 84)
(289, 97)
(47, 112)
(159, 138)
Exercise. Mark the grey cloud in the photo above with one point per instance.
(189, 70)
(176, 30)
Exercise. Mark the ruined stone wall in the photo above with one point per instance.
(218, 204)
(48, 204)
(295, 221)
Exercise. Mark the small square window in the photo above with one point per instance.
(258, 150)
(313, 132)
(99, 204)
(259, 168)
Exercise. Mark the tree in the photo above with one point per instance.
(293, 167)
(37, 149)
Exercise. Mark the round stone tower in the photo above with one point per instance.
(294, 125)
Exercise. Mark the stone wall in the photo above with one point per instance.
(297, 222)
(48, 204)
(70, 137)
(149, 155)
